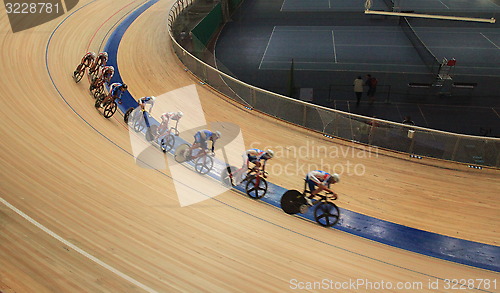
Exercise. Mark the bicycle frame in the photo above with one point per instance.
(173, 130)
(322, 197)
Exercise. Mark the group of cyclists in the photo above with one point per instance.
(316, 180)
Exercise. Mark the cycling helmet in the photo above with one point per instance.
(270, 153)
(180, 114)
(104, 54)
(92, 54)
(217, 134)
(335, 178)
(124, 87)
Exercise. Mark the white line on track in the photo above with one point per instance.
(77, 249)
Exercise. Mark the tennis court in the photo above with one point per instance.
(333, 42)
(382, 48)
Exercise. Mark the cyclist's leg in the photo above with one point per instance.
(95, 83)
(106, 99)
(197, 141)
(203, 148)
(312, 188)
(162, 129)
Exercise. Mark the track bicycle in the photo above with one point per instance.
(109, 107)
(97, 88)
(79, 72)
(166, 139)
(138, 119)
(326, 212)
(94, 69)
(202, 160)
(256, 185)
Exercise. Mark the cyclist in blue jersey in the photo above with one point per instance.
(115, 92)
(202, 137)
(146, 101)
(255, 156)
(320, 180)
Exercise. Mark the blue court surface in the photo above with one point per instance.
(333, 42)
(380, 48)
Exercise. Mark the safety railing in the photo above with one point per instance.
(418, 141)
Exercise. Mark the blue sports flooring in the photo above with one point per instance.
(431, 244)
(331, 47)
(382, 48)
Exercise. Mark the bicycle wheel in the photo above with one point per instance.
(79, 72)
(109, 109)
(167, 143)
(181, 153)
(203, 164)
(256, 187)
(291, 201)
(327, 214)
(227, 176)
(127, 115)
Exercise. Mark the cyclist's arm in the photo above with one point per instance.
(326, 187)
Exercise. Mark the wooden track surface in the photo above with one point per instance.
(121, 228)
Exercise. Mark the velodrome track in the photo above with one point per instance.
(78, 215)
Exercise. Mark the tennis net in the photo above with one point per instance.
(425, 54)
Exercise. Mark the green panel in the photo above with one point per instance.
(209, 25)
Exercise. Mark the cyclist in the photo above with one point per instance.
(165, 119)
(115, 92)
(100, 61)
(318, 181)
(107, 73)
(105, 76)
(201, 138)
(255, 156)
(88, 59)
(146, 100)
